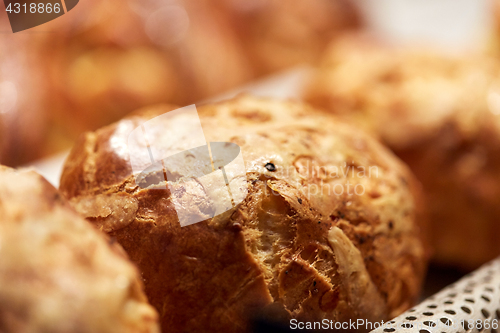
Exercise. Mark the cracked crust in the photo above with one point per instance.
(57, 273)
(287, 249)
(440, 114)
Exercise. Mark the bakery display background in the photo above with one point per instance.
(102, 60)
(42, 130)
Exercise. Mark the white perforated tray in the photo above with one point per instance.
(472, 304)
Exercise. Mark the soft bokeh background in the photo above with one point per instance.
(104, 59)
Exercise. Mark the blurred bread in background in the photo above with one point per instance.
(112, 57)
(58, 273)
(279, 34)
(106, 58)
(440, 114)
(23, 116)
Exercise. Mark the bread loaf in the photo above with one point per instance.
(313, 239)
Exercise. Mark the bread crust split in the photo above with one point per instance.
(291, 248)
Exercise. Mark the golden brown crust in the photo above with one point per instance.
(440, 114)
(57, 273)
(306, 254)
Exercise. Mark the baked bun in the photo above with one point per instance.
(440, 114)
(292, 245)
(59, 274)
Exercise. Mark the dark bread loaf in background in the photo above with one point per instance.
(301, 244)
(57, 273)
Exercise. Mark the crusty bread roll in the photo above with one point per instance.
(305, 242)
(440, 114)
(57, 273)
